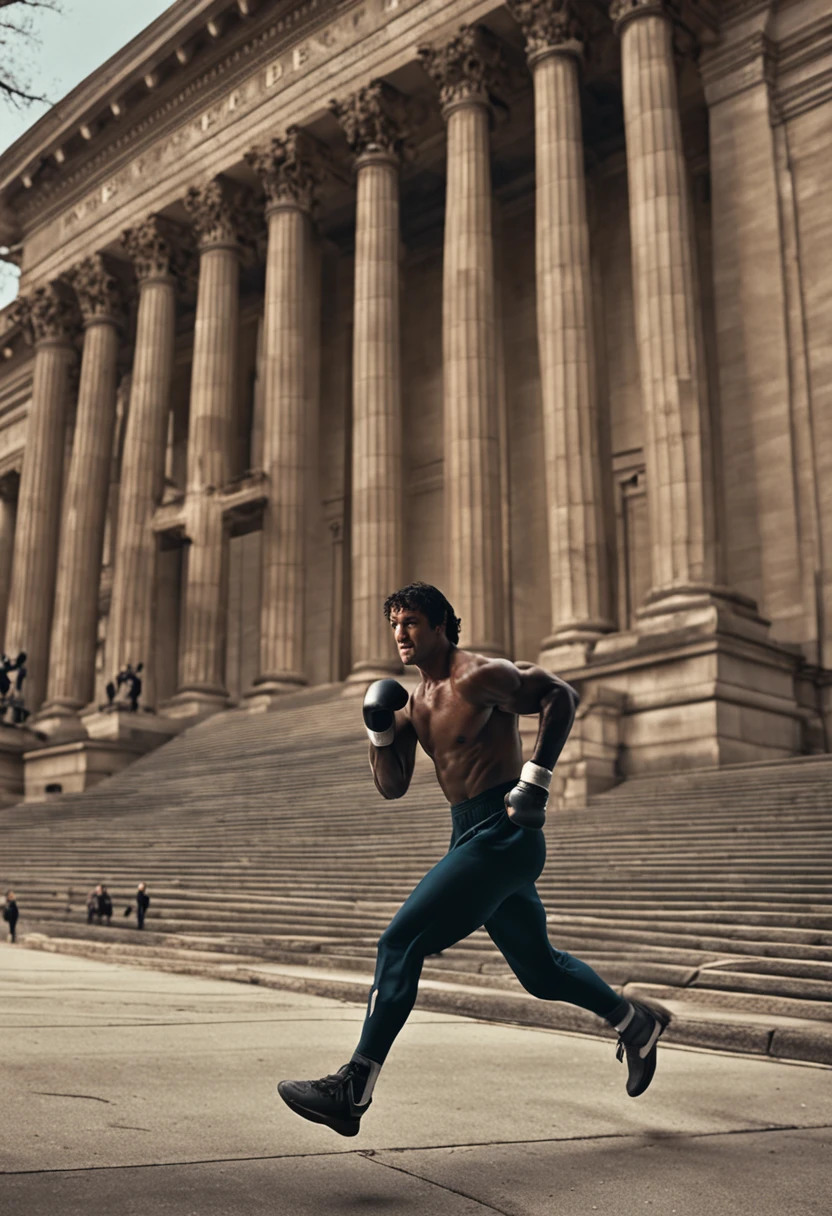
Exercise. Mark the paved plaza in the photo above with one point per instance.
(139, 1092)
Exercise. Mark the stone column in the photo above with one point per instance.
(215, 211)
(372, 120)
(668, 325)
(48, 317)
(153, 247)
(8, 513)
(285, 172)
(71, 682)
(465, 70)
(566, 345)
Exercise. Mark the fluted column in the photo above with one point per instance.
(465, 70)
(48, 317)
(215, 210)
(677, 433)
(153, 247)
(284, 169)
(8, 513)
(373, 124)
(566, 346)
(71, 682)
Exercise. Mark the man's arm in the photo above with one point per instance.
(528, 691)
(393, 765)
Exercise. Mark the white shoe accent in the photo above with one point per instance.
(623, 1025)
(651, 1042)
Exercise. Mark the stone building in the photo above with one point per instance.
(531, 300)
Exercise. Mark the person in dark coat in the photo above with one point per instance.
(105, 905)
(142, 903)
(10, 914)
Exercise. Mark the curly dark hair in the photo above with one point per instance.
(425, 598)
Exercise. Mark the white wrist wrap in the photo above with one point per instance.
(384, 738)
(535, 774)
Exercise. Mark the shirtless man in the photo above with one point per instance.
(464, 714)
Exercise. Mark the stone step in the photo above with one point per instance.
(693, 1025)
(666, 881)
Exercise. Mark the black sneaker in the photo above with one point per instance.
(639, 1041)
(330, 1100)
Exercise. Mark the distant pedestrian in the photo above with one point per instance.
(142, 903)
(105, 904)
(10, 914)
(92, 905)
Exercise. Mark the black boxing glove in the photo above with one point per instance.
(526, 803)
(380, 703)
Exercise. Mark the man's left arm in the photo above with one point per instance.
(527, 689)
(556, 702)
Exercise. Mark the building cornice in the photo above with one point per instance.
(39, 165)
(797, 69)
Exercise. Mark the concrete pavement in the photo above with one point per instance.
(142, 1092)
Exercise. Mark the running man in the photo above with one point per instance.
(464, 714)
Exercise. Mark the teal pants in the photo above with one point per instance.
(486, 879)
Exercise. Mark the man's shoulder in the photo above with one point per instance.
(468, 662)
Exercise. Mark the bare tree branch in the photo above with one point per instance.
(18, 38)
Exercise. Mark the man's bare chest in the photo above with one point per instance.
(444, 722)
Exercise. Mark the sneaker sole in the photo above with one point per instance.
(344, 1127)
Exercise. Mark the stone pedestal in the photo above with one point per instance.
(15, 741)
(75, 766)
(705, 686)
(105, 742)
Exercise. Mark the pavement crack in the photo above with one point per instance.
(370, 1155)
(41, 1093)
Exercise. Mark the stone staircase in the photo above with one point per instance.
(270, 858)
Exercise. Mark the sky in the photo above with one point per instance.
(72, 45)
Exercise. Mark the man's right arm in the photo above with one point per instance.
(393, 765)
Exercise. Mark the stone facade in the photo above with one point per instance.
(530, 300)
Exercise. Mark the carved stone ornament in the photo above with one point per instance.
(97, 289)
(49, 314)
(374, 119)
(468, 68)
(623, 10)
(157, 248)
(546, 24)
(218, 211)
(286, 171)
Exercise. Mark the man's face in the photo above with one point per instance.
(414, 636)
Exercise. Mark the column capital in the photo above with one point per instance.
(467, 70)
(48, 314)
(219, 213)
(157, 248)
(98, 291)
(286, 169)
(549, 27)
(374, 120)
(622, 11)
